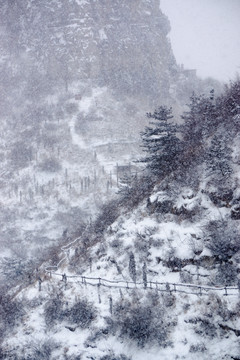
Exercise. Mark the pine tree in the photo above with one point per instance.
(218, 158)
(200, 120)
(161, 143)
(126, 183)
(144, 273)
(229, 103)
(132, 267)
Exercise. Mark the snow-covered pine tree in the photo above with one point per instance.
(126, 183)
(218, 158)
(161, 143)
(144, 273)
(132, 267)
(200, 122)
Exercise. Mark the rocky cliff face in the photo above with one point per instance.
(121, 44)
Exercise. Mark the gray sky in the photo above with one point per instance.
(205, 35)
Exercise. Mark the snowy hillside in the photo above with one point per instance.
(66, 120)
(156, 274)
(119, 234)
(77, 78)
(148, 288)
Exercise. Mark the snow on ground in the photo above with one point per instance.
(40, 195)
(187, 339)
(153, 238)
(186, 342)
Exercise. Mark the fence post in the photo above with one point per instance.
(99, 297)
(99, 281)
(200, 290)
(168, 287)
(144, 270)
(225, 291)
(65, 280)
(39, 284)
(30, 278)
(174, 287)
(121, 294)
(110, 305)
(197, 272)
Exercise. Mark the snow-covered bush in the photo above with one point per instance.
(41, 350)
(164, 207)
(200, 347)
(222, 197)
(8, 354)
(50, 165)
(142, 321)
(142, 244)
(16, 270)
(169, 300)
(226, 275)
(116, 244)
(217, 307)
(11, 311)
(53, 311)
(115, 357)
(140, 189)
(108, 214)
(138, 326)
(33, 350)
(82, 314)
(223, 239)
(205, 327)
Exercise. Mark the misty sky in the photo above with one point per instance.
(206, 35)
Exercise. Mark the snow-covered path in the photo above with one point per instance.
(154, 285)
(76, 138)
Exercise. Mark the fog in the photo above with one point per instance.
(205, 35)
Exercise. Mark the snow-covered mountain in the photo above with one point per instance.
(156, 274)
(115, 44)
(149, 286)
(77, 78)
(87, 273)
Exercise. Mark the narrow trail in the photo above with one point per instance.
(76, 138)
(65, 250)
(123, 284)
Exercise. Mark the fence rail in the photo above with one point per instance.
(123, 284)
(159, 286)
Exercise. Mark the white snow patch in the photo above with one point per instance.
(102, 34)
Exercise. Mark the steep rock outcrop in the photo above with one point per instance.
(121, 44)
